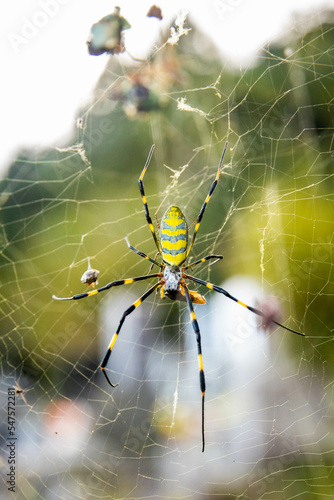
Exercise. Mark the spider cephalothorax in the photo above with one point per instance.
(173, 277)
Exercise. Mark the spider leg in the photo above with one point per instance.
(208, 257)
(106, 287)
(199, 350)
(142, 254)
(141, 189)
(228, 295)
(125, 314)
(207, 199)
(151, 266)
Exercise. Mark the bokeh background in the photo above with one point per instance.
(77, 130)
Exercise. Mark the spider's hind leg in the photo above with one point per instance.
(125, 314)
(199, 350)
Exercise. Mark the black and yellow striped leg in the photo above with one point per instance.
(125, 314)
(109, 285)
(199, 350)
(141, 189)
(228, 295)
(142, 254)
(207, 199)
(208, 257)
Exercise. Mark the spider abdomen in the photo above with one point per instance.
(173, 237)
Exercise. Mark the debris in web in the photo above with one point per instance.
(182, 105)
(178, 29)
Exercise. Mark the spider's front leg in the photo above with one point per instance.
(142, 193)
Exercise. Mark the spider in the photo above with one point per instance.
(172, 276)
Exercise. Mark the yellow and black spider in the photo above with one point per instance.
(172, 276)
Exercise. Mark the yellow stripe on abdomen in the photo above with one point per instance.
(174, 237)
(177, 246)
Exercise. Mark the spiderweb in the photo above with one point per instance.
(268, 409)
